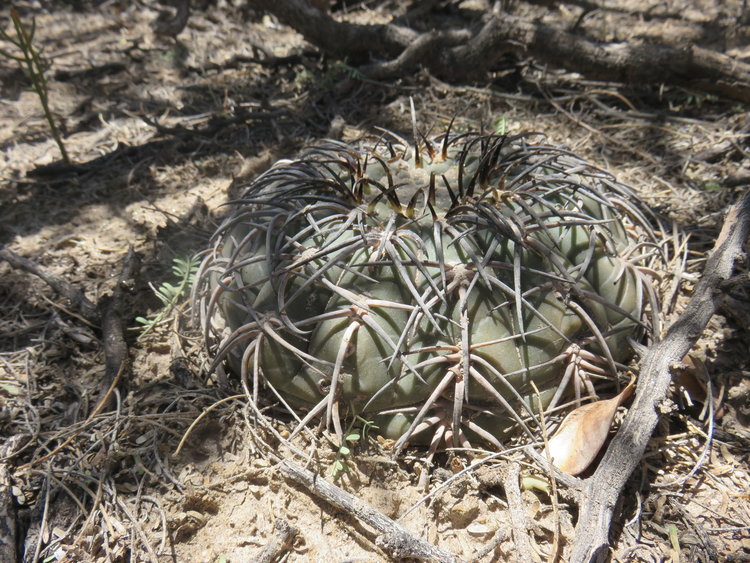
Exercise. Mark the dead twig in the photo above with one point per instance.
(500, 537)
(461, 55)
(99, 408)
(395, 540)
(109, 313)
(518, 520)
(572, 484)
(281, 542)
(8, 528)
(76, 297)
(602, 490)
(413, 55)
(354, 41)
(113, 329)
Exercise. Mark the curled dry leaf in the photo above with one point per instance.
(693, 377)
(583, 432)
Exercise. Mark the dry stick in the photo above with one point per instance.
(99, 408)
(500, 537)
(395, 540)
(555, 551)
(8, 529)
(413, 55)
(200, 417)
(633, 63)
(517, 509)
(572, 484)
(602, 490)
(280, 543)
(113, 329)
(115, 349)
(339, 38)
(64, 288)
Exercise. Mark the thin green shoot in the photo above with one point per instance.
(500, 125)
(353, 437)
(34, 66)
(184, 269)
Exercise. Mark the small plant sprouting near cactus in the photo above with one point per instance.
(353, 437)
(184, 269)
(430, 287)
(35, 67)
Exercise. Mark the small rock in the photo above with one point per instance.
(464, 512)
(479, 530)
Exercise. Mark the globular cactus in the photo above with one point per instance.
(435, 288)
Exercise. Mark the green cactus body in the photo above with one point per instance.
(430, 287)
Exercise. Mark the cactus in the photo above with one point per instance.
(434, 288)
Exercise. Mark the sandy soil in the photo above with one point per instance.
(165, 132)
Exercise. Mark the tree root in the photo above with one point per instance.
(113, 331)
(108, 313)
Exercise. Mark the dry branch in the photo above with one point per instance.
(602, 490)
(113, 328)
(76, 297)
(8, 527)
(396, 540)
(517, 509)
(631, 63)
(281, 542)
(109, 311)
(460, 55)
(338, 38)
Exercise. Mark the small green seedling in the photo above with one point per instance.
(352, 438)
(712, 186)
(34, 66)
(500, 125)
(184, 268)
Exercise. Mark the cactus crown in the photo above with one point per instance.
(432, 287)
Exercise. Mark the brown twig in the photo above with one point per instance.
(573, 485)
(462, 55)
(7, 508)
(395, 540)
(500, 537)
(99, 408)
(602, 490)
(517, 509)
(115, 349)
(113, 330)
(281, 542)
(414, 55)
(354, 41)
(77, 298)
